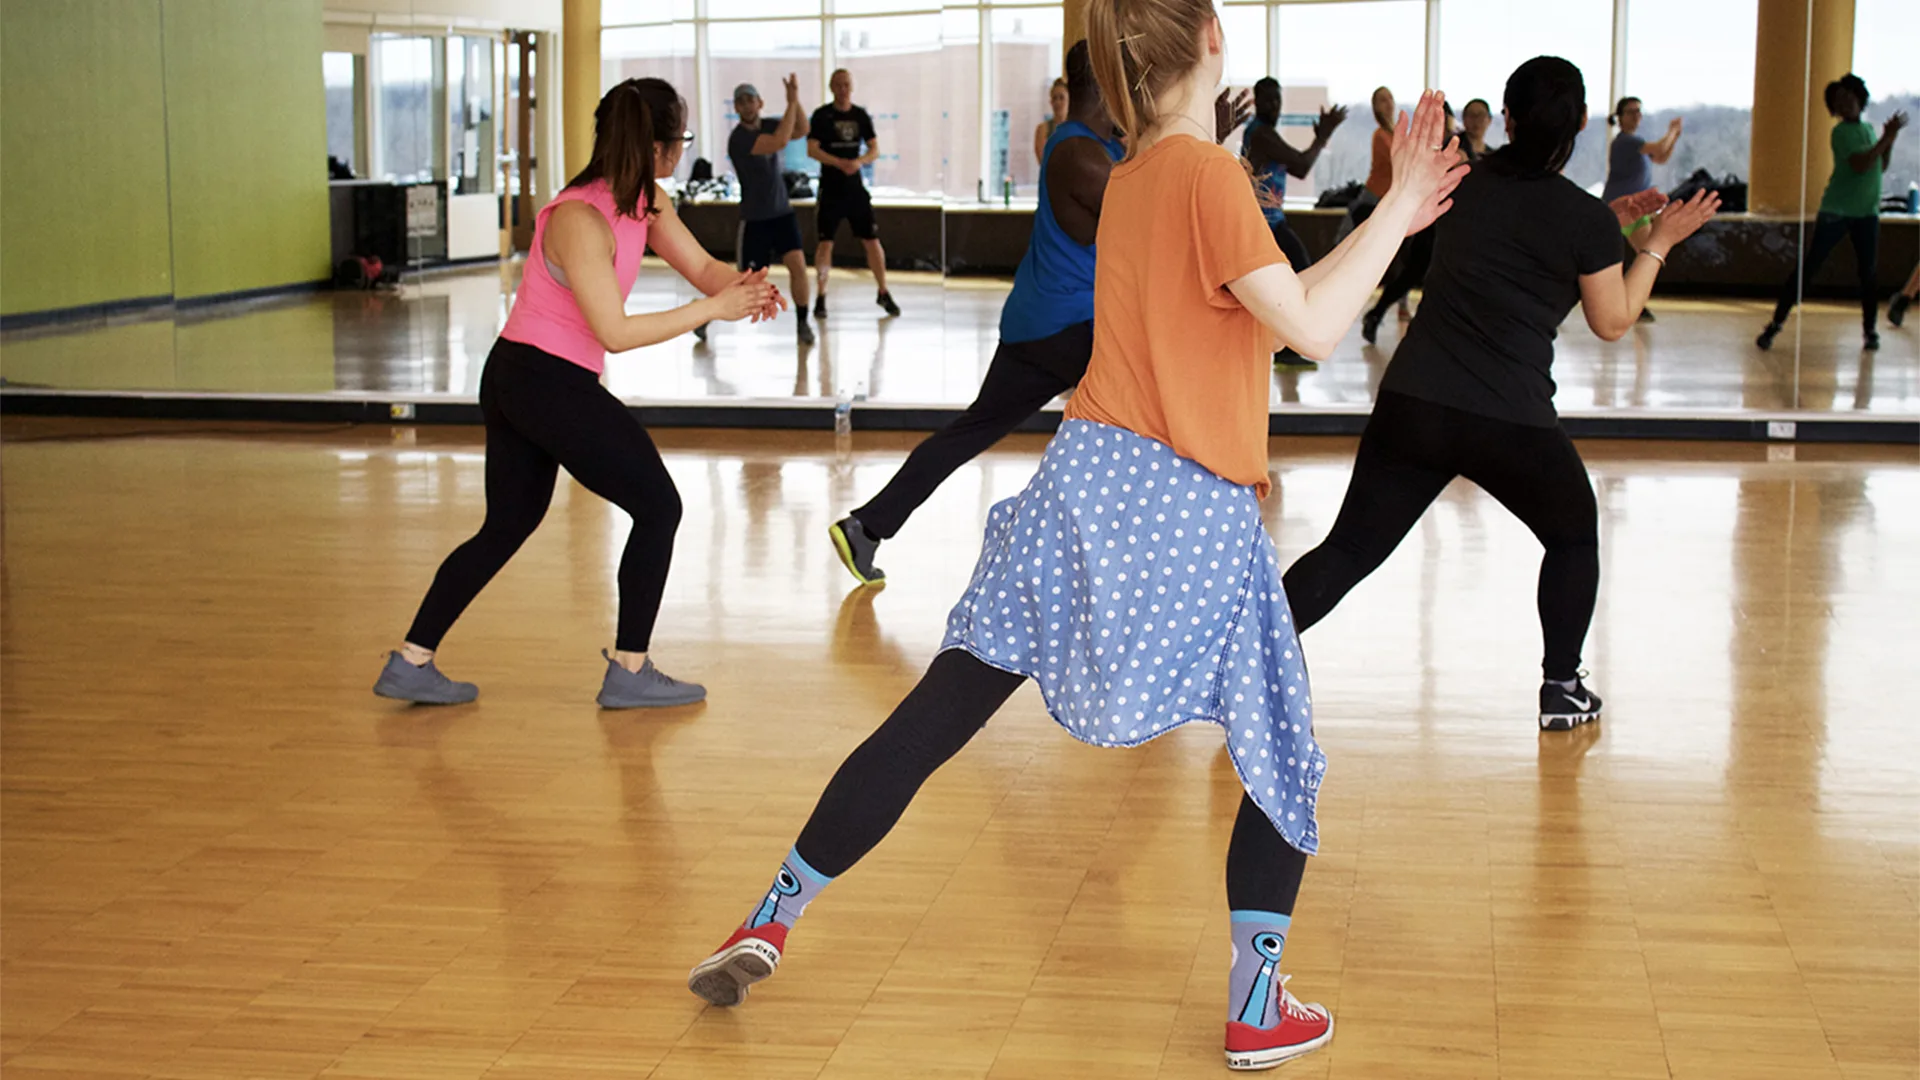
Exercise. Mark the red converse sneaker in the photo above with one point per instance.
(1302, 1029)
(748, 957)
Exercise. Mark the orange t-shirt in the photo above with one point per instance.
(1380, 178)
(1175, 356)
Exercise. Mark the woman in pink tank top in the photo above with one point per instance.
(545, 408)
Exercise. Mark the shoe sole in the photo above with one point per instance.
(845, 551)
(723, 978)
(394, 695)
(1254, 1060)
(605, 704)
(1566, 721)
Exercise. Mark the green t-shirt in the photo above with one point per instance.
(1852, 193)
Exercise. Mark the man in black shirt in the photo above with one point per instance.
(768, 231)
(834, 139)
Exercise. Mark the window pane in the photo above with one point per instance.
(896, 66)
(960, 106)
(629, 12)
(1886, 54)
(1338, 53)
(404, 103)
(471, 114)
(1482, 41)
(762, 53)
(760, 9)
(1027, 57)
(874, 7)
(660, 52)
(1246, 33)
(1695, 62)
(337, 73)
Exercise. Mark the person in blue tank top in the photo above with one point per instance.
(1272, 161)
(1046, 325)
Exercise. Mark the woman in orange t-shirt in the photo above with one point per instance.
(1133, 579)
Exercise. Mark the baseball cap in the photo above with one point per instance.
(744, 90)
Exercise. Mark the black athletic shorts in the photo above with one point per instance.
(765, 243)
(854, 208)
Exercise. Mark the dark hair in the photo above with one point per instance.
(1482, 102)
(1619, 108)
(1546, 103)
(1851, 83)
(628, 123)
(1266, 84)
(1081, 87)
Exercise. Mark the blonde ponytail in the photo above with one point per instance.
(1138, 49)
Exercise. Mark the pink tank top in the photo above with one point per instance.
(545, 314)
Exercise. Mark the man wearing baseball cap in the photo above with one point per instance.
(769, 232)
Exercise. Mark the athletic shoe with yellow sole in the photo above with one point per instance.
(856, 550)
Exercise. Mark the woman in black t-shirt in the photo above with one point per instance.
(1470, 391)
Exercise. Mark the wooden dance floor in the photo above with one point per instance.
(223, 857)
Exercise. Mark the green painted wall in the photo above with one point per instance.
(156, 147)
(247, 135)
(83, 154)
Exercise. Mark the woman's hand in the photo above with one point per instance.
(1426, 161)
(752, 296)
(1628, 209)
(1681, 220)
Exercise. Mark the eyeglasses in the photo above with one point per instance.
(686, 138)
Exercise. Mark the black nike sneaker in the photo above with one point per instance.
(1563, 710)
(885, 300)
(820, 306)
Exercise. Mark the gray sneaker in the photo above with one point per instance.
(422, 685)
(648, 688)
(856, 549)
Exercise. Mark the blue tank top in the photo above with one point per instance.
(1053, 289)
(1271, 180)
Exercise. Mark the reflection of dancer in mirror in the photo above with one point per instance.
(1046, 326)
(1133, 579)
(1476, 117)
(545, 408)
(1415, 256)
(834, 139)
(1902, 300)
(769, 232)
(1849, 210)
(1630, 160)
(1470, 391)
(1058, 101)
(1273, 160)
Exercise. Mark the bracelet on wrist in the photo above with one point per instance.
(1656, 257)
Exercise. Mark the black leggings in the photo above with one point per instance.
(1416, 254)
(1411, 450)
(1291, 245)
(543, 412)
(1023, 376)
(953, 701)
(1828, 231)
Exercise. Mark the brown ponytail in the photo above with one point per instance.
(628, 126)
(1139, 48)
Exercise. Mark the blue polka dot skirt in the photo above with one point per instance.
(1142, 592)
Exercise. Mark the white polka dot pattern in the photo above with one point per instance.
(1142, 592)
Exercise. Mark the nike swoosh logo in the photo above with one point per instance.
(1580, 703)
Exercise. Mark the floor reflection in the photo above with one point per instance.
(431, 336)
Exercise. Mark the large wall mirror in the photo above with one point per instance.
(439, 129)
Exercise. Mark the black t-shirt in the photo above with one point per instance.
(1507, 260)
(840, 134)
